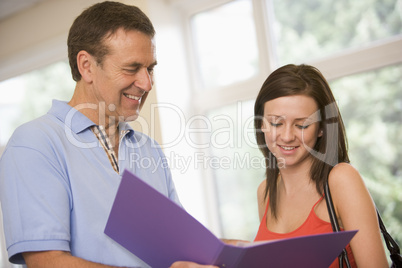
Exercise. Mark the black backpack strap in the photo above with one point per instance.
(343, 257)
(393, 248)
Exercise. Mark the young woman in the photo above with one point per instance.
(298, 124)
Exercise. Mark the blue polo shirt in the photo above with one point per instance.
(57, 186)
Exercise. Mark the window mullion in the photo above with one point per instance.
(348, 62)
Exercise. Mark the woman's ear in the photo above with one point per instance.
(320, 133)
(85, 64)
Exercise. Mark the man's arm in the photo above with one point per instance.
(58, 259)
(63, 259)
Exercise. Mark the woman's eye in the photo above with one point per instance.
(302, 126)
(275, 124)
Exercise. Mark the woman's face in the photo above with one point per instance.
(291, 128)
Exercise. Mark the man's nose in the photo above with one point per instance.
(144, 80)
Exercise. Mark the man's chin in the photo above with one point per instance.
(131, 118)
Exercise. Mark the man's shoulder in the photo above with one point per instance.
(35, 133)
(45, 123)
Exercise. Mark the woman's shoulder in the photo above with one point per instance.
(344, 179)
(343, 172)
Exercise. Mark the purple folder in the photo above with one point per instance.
(160, 232)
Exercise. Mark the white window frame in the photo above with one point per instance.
(375, 55)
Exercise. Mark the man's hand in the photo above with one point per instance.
(234, 242)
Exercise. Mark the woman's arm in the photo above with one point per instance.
(356, 211)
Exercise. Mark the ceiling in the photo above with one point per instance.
(10, 7)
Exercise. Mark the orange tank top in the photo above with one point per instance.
(312, 225)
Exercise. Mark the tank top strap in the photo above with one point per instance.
(319, 200)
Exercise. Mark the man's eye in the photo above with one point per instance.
(131, 70)
(150, 70)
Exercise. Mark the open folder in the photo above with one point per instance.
(160, 232)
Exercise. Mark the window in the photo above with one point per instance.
(240, 168)
(223, 58)
(373, 122)
(325, 33)
(311, 29)
(28, 96)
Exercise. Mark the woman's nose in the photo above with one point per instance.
(288, 134)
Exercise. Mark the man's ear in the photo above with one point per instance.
(85, 64)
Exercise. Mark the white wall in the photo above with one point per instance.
(37, 37)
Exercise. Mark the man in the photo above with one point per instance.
(59, 173)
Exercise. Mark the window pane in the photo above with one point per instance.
(240, 170)
(30, 95)
(309, 29)
(371, 106)
(225, 44)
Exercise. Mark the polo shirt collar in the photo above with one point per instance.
(77, 121)
(126, 129)
(70, 116)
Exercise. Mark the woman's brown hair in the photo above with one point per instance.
(330, 148)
